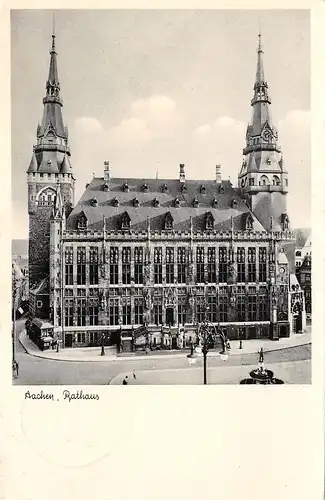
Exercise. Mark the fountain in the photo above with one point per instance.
(261, 375)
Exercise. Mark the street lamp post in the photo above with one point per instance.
(206, 333)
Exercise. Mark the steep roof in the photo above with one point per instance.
(302, 235)
(165, 191)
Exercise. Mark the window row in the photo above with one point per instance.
(218, 310)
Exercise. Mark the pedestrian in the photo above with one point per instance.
(240, 344)
(134, 375)
(17, 369)
(125, 382)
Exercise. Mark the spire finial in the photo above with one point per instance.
(260, 48)
(53, 34)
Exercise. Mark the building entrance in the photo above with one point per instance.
(68, 340)
(170, 316)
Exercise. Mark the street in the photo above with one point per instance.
(292, 363)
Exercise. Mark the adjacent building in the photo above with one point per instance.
(149, 255)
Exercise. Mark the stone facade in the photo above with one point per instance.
(149, 257)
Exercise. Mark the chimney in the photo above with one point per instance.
(218, 174)
(181, 172)
(106, 171)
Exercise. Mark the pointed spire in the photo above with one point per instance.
(260, 68)
(53, 79)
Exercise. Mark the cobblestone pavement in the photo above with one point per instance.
(38, 371)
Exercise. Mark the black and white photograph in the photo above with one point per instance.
(161, 197)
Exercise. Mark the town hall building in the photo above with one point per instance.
(156, 257)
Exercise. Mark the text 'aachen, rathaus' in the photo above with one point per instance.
(152, 253)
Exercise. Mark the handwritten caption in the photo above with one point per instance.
(66, 396)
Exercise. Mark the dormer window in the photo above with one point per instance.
(125, 222)
(184, 188)
(136, 202)
(176, 202)
(169, 221)
(221, 189)
(126, 188)
(145, 188)
(249, 222)
(164, 188)
(94, 202)
(202, 189)
(195, 203)
(115, 202)
(215, 203)
(209, 221)
(82, 221)
(105, 187)
(233, 203)
(156, 202)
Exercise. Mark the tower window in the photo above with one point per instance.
(276, 180)
(264, 181)
(251, 182)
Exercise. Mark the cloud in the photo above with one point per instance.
(154, 106)
(87, 125)
(129, 132)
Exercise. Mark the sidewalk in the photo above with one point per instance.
(93, 353)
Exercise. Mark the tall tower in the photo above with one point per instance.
(263, 179)
(50, 165)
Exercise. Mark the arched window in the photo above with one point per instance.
(264, 180)
(276, 180)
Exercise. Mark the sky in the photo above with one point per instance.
(150, 89)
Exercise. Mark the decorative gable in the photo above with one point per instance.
(202, 189)
(125, 221)
(136, 202)
(105, 187)
(195, 203)
(126, 188)
(156, 202)
(115, 202)
(169, 221)
(249, 222)
(176, 202)
(82, 222)
(94, 202)
(209, 221)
